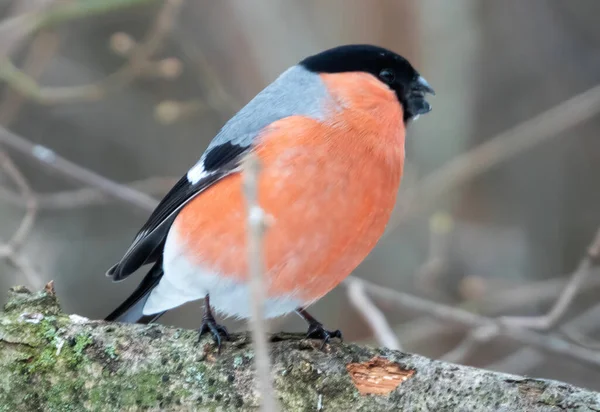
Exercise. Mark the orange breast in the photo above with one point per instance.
(330, 187)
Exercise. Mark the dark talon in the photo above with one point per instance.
(210, 325)
(316, 330)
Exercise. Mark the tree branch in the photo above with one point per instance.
(375, 318)
(548, 343)
(87, 196)
(565, 299)
(52, 361)
(52, 160)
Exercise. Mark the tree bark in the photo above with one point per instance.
(51, 361)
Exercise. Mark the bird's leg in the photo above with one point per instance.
(316, 330)
(210, 325)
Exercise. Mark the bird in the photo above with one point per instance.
(329, 134)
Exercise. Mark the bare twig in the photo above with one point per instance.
(565, 299)
(376, 320)
(77, 173)
(548, 343)
(256, 228)
(575, 329)
(502, 300)
(88, 196)
(545, 322)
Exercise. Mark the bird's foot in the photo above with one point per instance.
(316, 331)
(217, 331)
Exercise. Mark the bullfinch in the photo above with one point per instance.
(329, 136)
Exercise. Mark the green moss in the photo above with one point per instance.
(43, 362)
(111, 352)
(64, 396)
(82, 341)
(141, 389)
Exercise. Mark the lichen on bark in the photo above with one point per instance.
(56, 362)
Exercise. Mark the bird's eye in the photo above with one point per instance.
(387, 76)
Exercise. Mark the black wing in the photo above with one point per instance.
(147, 246)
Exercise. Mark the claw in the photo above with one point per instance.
(316, 331)
(210, 325)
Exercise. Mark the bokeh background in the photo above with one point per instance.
(134, 90)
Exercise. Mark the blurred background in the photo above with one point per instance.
(500, 198)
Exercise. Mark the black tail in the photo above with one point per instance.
(130, 311)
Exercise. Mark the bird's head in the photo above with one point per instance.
(390, 68)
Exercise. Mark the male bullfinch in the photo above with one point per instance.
(329, 135)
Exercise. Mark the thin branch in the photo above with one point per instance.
(256, 229)
(545, 322)
(423, 328)
(565, 299)
(87, 196)
(574, 329)
(73, 171)
(375, 318)
(548, 343)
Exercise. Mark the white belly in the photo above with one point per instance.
(184, 281)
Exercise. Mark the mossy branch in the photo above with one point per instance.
(53, 361)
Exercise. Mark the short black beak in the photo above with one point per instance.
(415, 101)
(421, 85)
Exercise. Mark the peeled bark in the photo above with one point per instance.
(52, 361)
